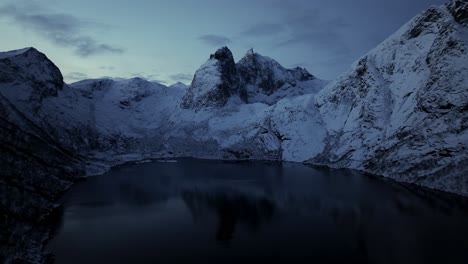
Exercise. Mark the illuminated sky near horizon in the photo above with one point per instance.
(167, 41)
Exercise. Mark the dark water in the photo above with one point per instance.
(216, 212)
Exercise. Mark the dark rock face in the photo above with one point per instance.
(267, 74)
(428, 22)
(229, 80)
(36, 69)
(424, 24)
(214, 83)
(254, 74)
(459, 10)
(35, 169)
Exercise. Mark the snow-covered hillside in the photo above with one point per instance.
(402, 110)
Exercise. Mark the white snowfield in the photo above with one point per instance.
(401, 111)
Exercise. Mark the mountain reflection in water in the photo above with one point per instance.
(226, 212)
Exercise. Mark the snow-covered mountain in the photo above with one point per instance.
(37, 160)
(214, 83)
(254, 79)
(266, 81)
(402, 110)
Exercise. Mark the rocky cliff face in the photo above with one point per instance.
(459, 10)
(214, 83)
(35, 167)
(254, 79)
(401, 111)
(266, 81)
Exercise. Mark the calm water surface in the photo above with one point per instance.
(196, 211)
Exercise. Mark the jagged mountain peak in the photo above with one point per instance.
(262, 75)
(254, 79)
(250, 52)
(256, 62)
(214, 83)
(223, 54)
(252, 56)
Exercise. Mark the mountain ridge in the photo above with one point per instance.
(372, 118)
(400, 111)
(254, 78)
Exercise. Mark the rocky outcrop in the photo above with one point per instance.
(254, 79)
(214, 83)
(459, 10)
(264, 75)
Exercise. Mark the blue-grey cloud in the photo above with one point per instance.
(107, 68)
(215, 40)
(160, 81)
(62, 29)
(152, 77)
(181, 77)
(264, 29)
(311, 28)
(76, 76)
(298, 25)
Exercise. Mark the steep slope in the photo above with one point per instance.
(402, 110)
(266, 81)
(214, 83)
(129, 114)
(37, 160)
(35, 87)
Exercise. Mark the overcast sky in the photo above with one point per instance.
(167, 40)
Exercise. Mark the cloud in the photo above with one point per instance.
(181, 77)
(215, 40)
(76, 76)
(310, 28)
(160, 81)
(299, 25)
(149, 77)
(62, 29)
(264, 29)
(107, 68)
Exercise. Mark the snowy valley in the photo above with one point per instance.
(400, 111)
